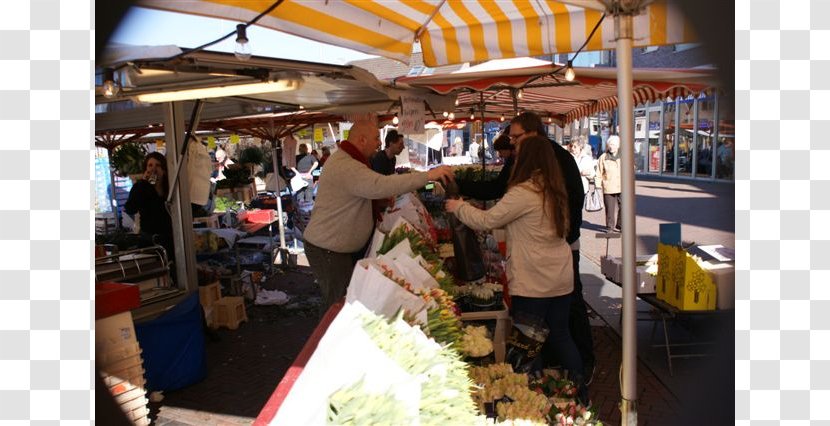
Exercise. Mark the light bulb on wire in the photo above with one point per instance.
(456, 101)
(451, 116)
(569, 72)
(502, 118)
(110, 88)
(242, 50)
(520, 94)
(446, 114)
(472, 115)
(395, 119)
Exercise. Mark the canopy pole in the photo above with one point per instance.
(278, 152)
(623, 28)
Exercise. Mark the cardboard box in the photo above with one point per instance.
(723, 275)
(646, 282)
(114, 331)
(611, 267)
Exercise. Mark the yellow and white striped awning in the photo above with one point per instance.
(450, 31)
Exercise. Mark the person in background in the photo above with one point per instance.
(305, 167)
(529, 124)
(584, 161)
(303, 152)
(384, 160)
(492, 189)
(609, 168)
(474, 148)
(147, 198)
(534, 213)
(315, 154)
(343, 217)
(325, 156)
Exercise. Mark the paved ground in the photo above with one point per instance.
(245, 366)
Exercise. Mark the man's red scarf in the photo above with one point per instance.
(355, 153)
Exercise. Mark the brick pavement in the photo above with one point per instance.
(245, 366)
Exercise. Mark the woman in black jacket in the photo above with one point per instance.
(147, 198)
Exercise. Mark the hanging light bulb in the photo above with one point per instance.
(520, 94)
(472, 115)
(395, 119)
(110, 88)
(502, 118)
(456, 101)
(451, 116)
(446, 114)
(242, 51)
(550, 119)
(569, 72)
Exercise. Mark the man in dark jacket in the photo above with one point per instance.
(529, 124)
(492, 189)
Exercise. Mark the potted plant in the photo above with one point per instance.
(128, 159)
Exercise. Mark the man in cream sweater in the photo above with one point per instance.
(343, 218)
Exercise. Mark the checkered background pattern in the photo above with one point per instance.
(782, 207)
(782, 212)
(46, 232)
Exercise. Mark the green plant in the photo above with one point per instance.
(128, 159)
(235, 175)
(251, 155)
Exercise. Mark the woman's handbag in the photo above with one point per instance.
(593, 199)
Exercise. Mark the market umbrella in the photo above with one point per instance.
(452, 32)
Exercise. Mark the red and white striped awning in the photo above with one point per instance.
(594, 89)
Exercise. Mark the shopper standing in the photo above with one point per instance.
(384, 160)
(343, 218)
(584, 161)
(608, 168)
(534, 213)
(528, 124)
(147, 198)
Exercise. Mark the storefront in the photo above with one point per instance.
(690, 138)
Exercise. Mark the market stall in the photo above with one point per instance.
(424, 336)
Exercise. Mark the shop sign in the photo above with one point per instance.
(318, 135)
(412, 121)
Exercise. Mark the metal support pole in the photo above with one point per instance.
(179, 206)
(113, 201)
(275, 161)
(623, 26)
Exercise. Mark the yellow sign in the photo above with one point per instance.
(346, 135)
(159, 143)
(234, 139)
(318, 134)
(211, 142)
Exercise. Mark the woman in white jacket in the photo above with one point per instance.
(584, 160)
(534, 213)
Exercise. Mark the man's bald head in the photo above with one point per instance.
(365, 137)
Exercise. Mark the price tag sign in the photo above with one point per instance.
(211, 142)
(318, 134)
(412, 121)
(234, 139)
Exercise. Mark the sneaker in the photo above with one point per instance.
(589, 374)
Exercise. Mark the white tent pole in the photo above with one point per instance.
(623, 27)
(277, 178)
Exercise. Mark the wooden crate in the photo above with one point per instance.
(229, 312)
(211, 221)
(209, 294)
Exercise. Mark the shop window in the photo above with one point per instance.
(726, 138)
(669, 109)
(705, 137)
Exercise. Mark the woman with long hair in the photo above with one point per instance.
(534, 213)
(147, 198)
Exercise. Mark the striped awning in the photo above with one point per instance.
(594, 89)
(449, 31)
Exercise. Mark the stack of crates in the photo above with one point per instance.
(119, 356)
(208, 296)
